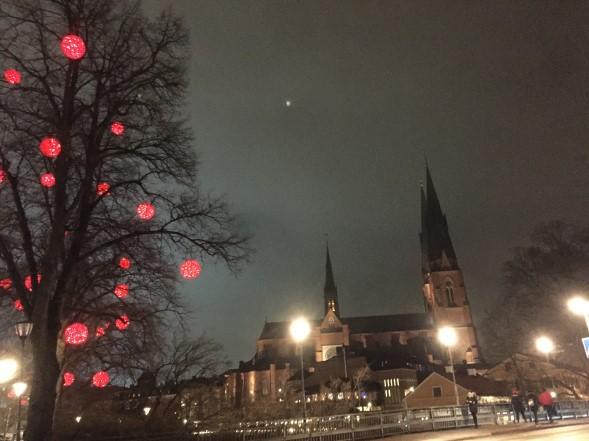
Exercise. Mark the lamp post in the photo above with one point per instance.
(23, 330)
(447, 337)
(299, 331)
(545, 346)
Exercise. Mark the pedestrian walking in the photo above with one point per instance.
(533, 406)
(517, 402)
(546, 401)
(473, 406)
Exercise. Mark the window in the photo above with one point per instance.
(450, 293)
(437, 391)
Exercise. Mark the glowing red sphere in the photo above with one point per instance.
(2, 176)
(47, 180)
(6, 283)
(50, 147)
(145, 211)
(121, 290)
(125, 263)
(117, 128)
(76, 334)
(12, 76)
(190, 269)
(73, 47)
(18, 305)
(100, 331)
(100, 379)
(102, 188)
(29, 281)
(122, 322)
(68, 379)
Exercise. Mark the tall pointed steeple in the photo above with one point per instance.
(436, 245)
(330, 300)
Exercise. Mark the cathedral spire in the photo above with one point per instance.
(330, 290)
(436, 245)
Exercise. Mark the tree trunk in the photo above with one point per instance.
(45, 374)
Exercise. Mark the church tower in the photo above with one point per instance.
(443, 283)
(330, 300)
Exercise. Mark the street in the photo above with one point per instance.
(560, 432)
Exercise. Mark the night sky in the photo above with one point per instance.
(495, 94)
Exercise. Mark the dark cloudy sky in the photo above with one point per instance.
(495, 93)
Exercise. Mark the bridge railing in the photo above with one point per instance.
(366, 426)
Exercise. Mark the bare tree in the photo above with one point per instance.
(539, 279)
(71, 234)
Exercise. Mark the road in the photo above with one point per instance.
(489, 433)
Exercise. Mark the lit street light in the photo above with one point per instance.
(580, 306)
(545, 346)
(447, 337)
(19, 388)
(299, 331)
(8, 369)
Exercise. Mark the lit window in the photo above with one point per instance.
(450, 293)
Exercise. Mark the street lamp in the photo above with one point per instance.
(447, 337)
(23, 330)
(8, 369)
(580, 306)
(299, 331)
(545, 346)
(19, 388)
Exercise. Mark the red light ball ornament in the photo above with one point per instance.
(190, 269)
(100, 379)
(100, 331)
(68, 379)
(12, 76)
(122, 322)
(102, 188)
(29, 282)
(50, 147)
(18, 305)
(76, 334)
(121, 290)
(2, 176)
(125, 263)
(117, 128)
(47, 180)
(6, 283)
(73, 47)
(145, 211)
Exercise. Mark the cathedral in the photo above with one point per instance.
(394, 347)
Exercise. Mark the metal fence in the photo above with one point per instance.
(366, 426)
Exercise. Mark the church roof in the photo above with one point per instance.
(388, 323)
(359, 325)
(274, 330)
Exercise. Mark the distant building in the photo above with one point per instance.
(532, 374)
(438, 390)
(382, 343)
